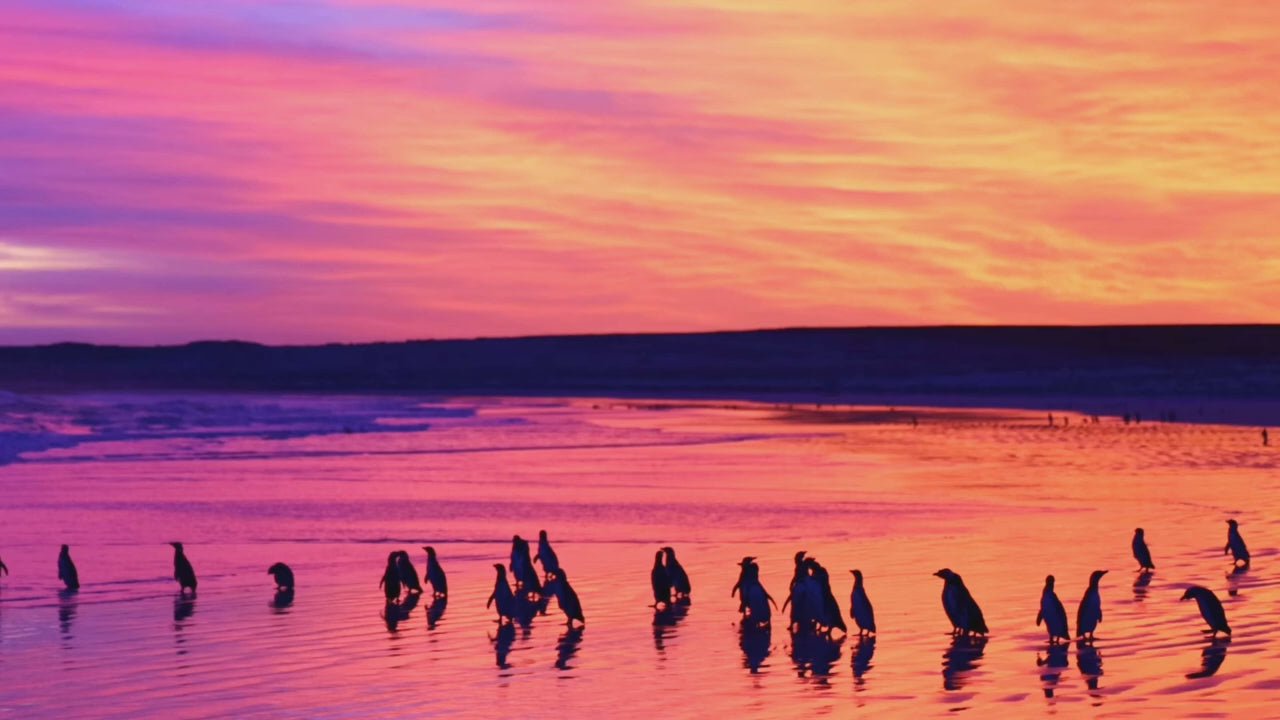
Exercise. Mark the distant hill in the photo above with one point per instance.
(1219, 361)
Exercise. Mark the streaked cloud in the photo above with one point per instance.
(358, 170)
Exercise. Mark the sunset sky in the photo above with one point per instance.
(350, 170)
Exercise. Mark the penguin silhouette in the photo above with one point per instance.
(408, 573)
(67, 569)
(1235, 544)
(675, 571)
(390, 582)
(502, 596)
(860, 606)
(1210, 608)
(522, 567)
(4, 569)
(1140, 551)
(962, 610)
(660, 581)
(1090, 612)
(283, 576)
(568, 599)
(757, 600)
(182, 570)
(830, 617)
(546, 556)
(737, 588)
(1052, 614)
(435, 574)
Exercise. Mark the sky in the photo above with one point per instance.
(355, 170)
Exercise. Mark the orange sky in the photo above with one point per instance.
(352, 170)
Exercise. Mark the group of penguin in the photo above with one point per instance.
(813, 606)
(531, 594)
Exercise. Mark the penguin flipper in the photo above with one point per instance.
(491, 599)
(1039, 618)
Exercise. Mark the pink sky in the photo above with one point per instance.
(351, 170)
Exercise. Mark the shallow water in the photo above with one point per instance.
(330, 485)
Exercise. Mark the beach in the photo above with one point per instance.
(331, 484)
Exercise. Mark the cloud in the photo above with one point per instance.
(358, 170)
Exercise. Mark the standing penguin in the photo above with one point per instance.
(568, 599)
(1052, 614)
(738, 588)
(860, 606)
(502, 597)
(1090, 612)
(1210, 608)
(182, 570)
(675, 571)
(1140, 551)
(435, 574)
(522, 567)
(67, 570)
(755, 598)
(283, 576)
(408, 573)
(1235, 544)
(660, 581)
(546, 556)
(390, 582)
(831, 617)
(962, 610)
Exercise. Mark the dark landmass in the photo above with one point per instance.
(1047, 364)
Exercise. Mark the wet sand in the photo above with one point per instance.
(999, 497)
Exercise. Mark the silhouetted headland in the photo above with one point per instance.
(1195, 373)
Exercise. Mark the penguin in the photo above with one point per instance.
(675, 571)
(435, 574)
(390, 582)
(546, 556)
(502, 596)
(408, 573)
(860, 606)
(831, 617)
(738, 589)
(283, 575)
(568, 599)
(1210, 608)
(1140, 551)
(1052, 614)
(522, 567)
(798, 593)
(1090, 612)
(182, 570)
(1235, 544)
(756, 598)
(962, 610)
(660, 581)
(67, 570)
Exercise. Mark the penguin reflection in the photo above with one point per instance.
(862, 654)
(184, 606)
(814, 653)
(396, 612)
(665, 621)
(1054, 663)
(435, 611)
(961, 657)
(502, 643)
(1211, 658)
(756, 642)
(1140, 584)
(1089, 662)
(567, 647)
(66, 611)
